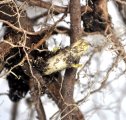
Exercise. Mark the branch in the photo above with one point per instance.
(35, 93)
(14, 111)
(4, 49)
(66, 57)
(54, 8)
(69, 108)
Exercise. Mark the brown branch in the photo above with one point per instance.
(13, 16)
(5, 1)
(102, 8)
(75, 18)
(5, 47)
(14, 111)
(36, 83)
(69, 78)
(19, 29)
(54, 8)
(48, 34)
(118, 46)
(38, 105)
(53, 89)
(121, 1)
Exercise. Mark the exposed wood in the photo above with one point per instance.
(66, 57)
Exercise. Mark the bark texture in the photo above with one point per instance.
(69, 108)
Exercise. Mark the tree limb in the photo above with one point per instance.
(54, 8)
(35, 94)
(69, 108)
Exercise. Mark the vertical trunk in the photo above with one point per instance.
(69, 110)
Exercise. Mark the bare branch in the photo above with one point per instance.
(66, 57)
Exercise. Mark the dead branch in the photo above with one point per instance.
(66, 57)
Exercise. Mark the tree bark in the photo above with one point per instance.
(36, 94)
(69, 110)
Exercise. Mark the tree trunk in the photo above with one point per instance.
(69, 109)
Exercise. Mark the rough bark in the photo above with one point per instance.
(61, 91)
(56, 9)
